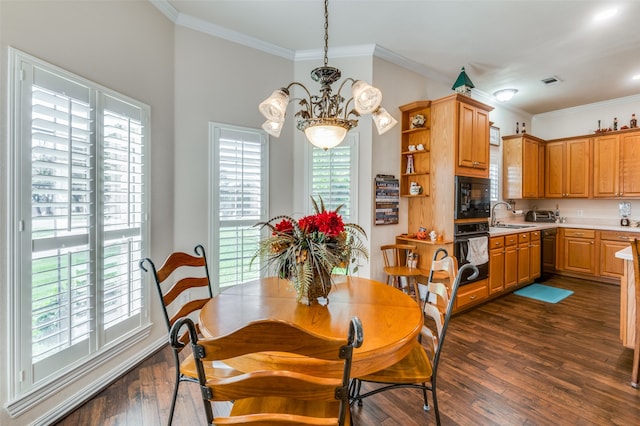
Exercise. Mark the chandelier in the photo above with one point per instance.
(325, 119)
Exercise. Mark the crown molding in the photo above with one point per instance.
(167, 10)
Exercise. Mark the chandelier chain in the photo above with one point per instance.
(326, 32)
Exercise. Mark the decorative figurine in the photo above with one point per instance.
(633, 123)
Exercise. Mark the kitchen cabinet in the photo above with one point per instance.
(463, 123)
(523, 167)
(609, 243)
(496, 264)
(567, 168)
(523, 257)
(473, 138)
(510, 260)
(616, 165)
(470, 294)
(514, 260)
(415, 163)
(579, 250)
(535, 260)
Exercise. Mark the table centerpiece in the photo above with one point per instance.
(306, 251)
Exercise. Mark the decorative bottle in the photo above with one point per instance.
(633, 123)
(615, 123)
(523, 129)
(517, 128)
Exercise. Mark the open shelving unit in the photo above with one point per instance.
(421, 159)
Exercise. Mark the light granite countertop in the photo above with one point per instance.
(536, 226)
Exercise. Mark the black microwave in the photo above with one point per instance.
(473, 197)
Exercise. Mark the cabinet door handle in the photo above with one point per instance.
(472, 297)
(591, 242)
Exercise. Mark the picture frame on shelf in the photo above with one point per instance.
(494, 135)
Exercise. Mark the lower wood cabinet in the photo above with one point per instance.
(496, 265)
(579, 250)
(471, 294)
(510, 261)
(535, 253)
(514, 261)
(524, 254)
(610, 243)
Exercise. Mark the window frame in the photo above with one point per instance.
(24, 390)
(214, 200)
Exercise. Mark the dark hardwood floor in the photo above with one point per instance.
(513, 361)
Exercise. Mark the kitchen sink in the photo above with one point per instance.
(512, 226)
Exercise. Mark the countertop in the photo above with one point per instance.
(536, 226)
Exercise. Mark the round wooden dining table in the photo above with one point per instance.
(391, 320)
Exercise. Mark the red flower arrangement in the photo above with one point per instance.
(307, 250)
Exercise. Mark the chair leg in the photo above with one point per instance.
(175, 397)
(435, 403)
(426, 406)
(635, 373)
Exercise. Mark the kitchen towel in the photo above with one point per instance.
(478, 250)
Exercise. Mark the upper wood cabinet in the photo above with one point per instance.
(473, 138)
(461, 123)
(567, 168)
(523, 167)
(616, 165)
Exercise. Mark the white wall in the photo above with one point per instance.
(221, 81)
(127, 47)
(583, 120)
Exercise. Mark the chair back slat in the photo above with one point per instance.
(181, 286)
(177, 260)
(187, 309)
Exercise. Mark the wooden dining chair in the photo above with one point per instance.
(444, 269)
(395, 257)
(635, 370)
(276, 396)
(183, 284)
(419, 369)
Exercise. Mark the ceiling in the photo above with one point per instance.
(502, 44)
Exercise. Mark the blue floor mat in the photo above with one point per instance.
(544, 293)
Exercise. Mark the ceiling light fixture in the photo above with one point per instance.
(605, 14)
(505, 95)
(325, 118)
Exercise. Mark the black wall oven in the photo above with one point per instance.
(471, 245)
(473, 197)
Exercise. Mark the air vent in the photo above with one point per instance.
(551, 80)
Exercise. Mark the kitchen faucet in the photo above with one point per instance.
(494, 222)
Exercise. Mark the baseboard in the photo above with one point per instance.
(70, 404)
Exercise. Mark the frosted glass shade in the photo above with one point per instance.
(366, 98)
(273, 128)
(275, 106)
(505, 94)
(325, 136)
(383, 120)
